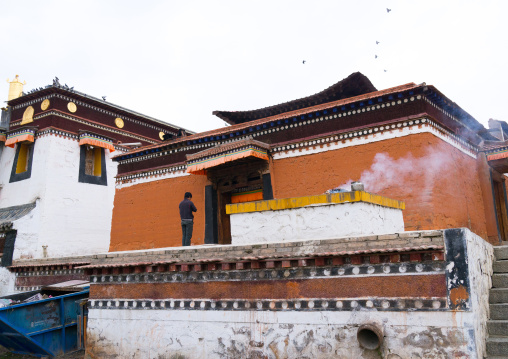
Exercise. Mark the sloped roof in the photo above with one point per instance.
(10, 214)
(106, 105)
(353, 85)
(227, 147)
(241, 126)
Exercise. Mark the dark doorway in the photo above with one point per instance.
(499, 192)
(223, 220)
(233, 179)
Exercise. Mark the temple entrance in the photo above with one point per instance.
(223, 222)
(236, 183)
(237, 172)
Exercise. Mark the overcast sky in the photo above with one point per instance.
(180, 60)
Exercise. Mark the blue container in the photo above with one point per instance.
(47, 327)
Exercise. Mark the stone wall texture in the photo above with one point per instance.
(144, 334)
(480, 257)
(304, 299)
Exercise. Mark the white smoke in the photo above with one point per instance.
(387, 172)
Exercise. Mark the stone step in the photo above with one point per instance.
(501, 252)
(487, 357)
(497, 346)
(499, 311)
(500, 280)
(498, 295)
(501, 266)
(498, 327)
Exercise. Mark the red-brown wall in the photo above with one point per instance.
(439, 184)
(446, 194)
(147, 215)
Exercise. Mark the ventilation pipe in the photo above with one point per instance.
(370, 335)
(357, 186)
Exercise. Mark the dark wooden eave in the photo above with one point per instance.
(353, 85)
(99, 103)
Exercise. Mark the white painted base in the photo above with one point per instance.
(7, 280)
(480, 256)
(315, 222)
(147, 334)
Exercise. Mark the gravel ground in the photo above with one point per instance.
(4, 354)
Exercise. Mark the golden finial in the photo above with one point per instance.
(15, 88)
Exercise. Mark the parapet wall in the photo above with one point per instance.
(355, 213)
(294, 299)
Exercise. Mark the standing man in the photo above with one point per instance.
(186, 209)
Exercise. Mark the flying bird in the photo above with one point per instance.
(104, 98)
(376, 56)
(385, 70)
(377, 42)
(303, 62)
(388, 10)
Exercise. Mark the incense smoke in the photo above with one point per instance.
(387, 172)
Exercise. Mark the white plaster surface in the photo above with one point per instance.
(147, 334)
(315, 222)
(480, 257)
(27, 237)
(71, 218)
(376, 137)
(7, 282)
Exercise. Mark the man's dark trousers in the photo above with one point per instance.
(187, 225)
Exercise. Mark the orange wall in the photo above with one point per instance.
(147, 215)
(438, 182)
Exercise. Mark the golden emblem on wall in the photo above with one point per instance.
(161, 135)
(28, 115)
(119, 122)
(45, 105)
(71, 106)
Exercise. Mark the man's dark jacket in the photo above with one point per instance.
(186, 209)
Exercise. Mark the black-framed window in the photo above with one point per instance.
(92, 165)
(22, 165)
(7, 248)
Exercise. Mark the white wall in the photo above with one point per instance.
(315, 222)
(7, 280)
(480, 257)
(26, 245)
(26, 191)
(73, 218)
(147, 334)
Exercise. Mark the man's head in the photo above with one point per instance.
(187, 195)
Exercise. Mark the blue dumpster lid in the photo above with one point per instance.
(16, 341)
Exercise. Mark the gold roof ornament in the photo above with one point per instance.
(71, 106)
(119, 122)
(28, 115)
(45, 105)
(15, 88)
